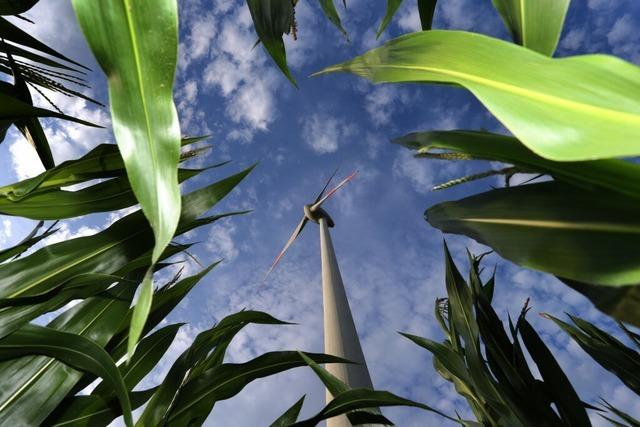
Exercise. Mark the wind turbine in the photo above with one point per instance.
(340, 335)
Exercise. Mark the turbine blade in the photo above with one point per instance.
(333, 191)
(295, 234)
(326, 185)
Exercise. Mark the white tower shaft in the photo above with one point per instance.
(340, 335)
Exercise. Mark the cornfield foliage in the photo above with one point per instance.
(112, 336)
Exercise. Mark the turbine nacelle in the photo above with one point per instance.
(314, 213)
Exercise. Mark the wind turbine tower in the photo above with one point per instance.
(340, 335)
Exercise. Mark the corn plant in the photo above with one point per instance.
(112, 337)
(489, 367)
(583, 225)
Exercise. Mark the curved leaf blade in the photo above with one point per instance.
(593, 233)
(140, 64)
(74, 350)
(534, 24)
(272, 19)
(540, 100)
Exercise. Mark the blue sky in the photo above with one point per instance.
(391, 259)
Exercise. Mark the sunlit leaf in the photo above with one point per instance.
(535, 24)
(541, 100)
(140, 64)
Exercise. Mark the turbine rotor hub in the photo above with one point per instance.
(314, 214)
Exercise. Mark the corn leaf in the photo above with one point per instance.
(541, 100)
(593, 233)
(426, 9)
(198, 396)
(215, 341)
(335, 386)
(534, 24)
(73, 350)
(357, 399)
(272, 19)
(622, 302)
(613, 175)
(330, 11)
(16, 7)
(136, 45)
(605, 349)
(290, 416)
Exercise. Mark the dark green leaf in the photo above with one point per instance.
(426, 9)
(198, 396)
(622, 302)
(329, 9)
(272, 19)
(593, 233)
(612, 174)
(566, 400)
(290, 416)
(73, 350)
(16, 7)
(360, 398)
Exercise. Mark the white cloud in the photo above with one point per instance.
(384, 101)
(220, 242)
(7, 231)
(324, 133)
(416, 171)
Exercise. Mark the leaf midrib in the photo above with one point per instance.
(562, 225)
(141, 93)
(595, 110)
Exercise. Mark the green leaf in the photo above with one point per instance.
(140, 63)
(360, 398)
(198, 396)
(16, 7)
(106, 196)
(605, 349)
(622, 303)
(612, 174)
(272, 19)
(31, 239)
(106, 252)
(290, 416)
(329, 10)
(593, 233)
(195, 357)
(336, 386)
(92, 411)
(632, 422)
(73, 350)
(392, 8)
(565, 398)
(13, 109)
(147, 355)
(534, 24)
(11, 33)
(541, 100)
(426, 9)
(104, 161)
